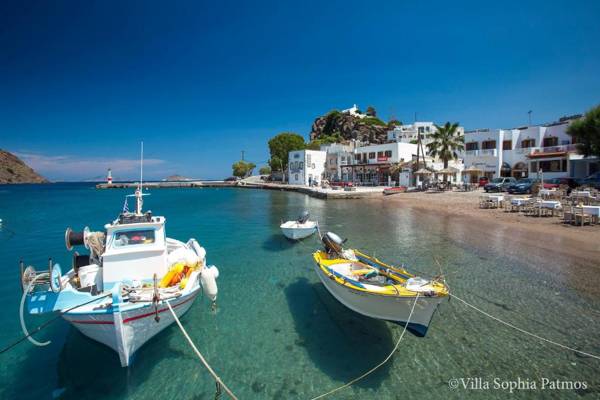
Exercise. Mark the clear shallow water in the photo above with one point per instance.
(278, 334)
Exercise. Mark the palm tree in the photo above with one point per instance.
(446, 143)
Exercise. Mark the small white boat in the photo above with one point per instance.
(377, 290)
(300, 228)
(117, 294)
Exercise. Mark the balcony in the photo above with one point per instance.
(484, 152)
(565, 148)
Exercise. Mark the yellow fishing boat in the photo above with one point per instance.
(370, 287)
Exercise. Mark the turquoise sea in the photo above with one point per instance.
(277, 333)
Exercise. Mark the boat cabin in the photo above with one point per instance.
(136, 249)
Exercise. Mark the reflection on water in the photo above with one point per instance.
(278, 333)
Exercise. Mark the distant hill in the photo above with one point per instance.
(177, 178)
(14, 170)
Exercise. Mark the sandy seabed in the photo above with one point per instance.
(573, 250)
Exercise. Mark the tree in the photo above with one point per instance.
(336, 137)
(281, 145)
(446, 143)
(242, 168)
(392, 123)
(586, 133)
(266, 170)
(371, 111)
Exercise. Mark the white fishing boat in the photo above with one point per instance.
(372, 288)
(117, 294)
(300, 228)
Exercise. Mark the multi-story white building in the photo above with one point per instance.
(306, 167)
(338, 155)
(372, 164)
(408, 133)
(524, 152)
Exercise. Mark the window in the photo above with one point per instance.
(308, 158)
(296, 176)
(128, 238)
(550, 141)
(488, 145)
(313, 165)
(526, 143)
(553, 166)
(380, 154)
(371, 155)
(301, 164)
(421, 129)
(471, 146)
(297, 155)
(507, 145)
(533, 166)
(388, 153)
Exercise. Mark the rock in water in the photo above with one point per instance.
(14, 170)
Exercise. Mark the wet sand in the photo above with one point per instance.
(570, 252)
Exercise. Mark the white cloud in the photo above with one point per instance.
(70, 167)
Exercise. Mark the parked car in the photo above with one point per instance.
(232, 179)
(522, 186)
(483, 181)
(525, 185)
(499, 184)
(592, 180)
(556, 182)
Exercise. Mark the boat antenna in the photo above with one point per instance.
(138, 192)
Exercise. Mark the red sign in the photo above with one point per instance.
(382, 159)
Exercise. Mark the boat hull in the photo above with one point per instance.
(298, 231)
(389, 308)
(127, 331)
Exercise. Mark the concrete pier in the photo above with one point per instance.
(165, 184)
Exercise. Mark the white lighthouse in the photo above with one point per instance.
(109, 177)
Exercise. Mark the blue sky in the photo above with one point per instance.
(82, 82)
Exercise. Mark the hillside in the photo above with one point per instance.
(369, 129)
(13, 170)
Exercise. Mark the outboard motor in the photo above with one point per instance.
(333, 243)
(303, 217)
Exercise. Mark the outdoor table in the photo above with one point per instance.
(519, 201)
(549, 204)
(547, 192)
(581, 193)
(594, 211)
(496, 198)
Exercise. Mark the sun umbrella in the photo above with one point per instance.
(473, 169)
(423, 171)
(447, 171)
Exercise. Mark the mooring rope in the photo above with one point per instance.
(45, 324)
(523, 330)
(200, 356)
(353, 381)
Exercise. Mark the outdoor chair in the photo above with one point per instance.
(581, 218)
(569, 215)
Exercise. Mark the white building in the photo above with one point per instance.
(306, 166)
(338, 155)
(523, 152)
(372, 163)
(354, 111)
(408, 133)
